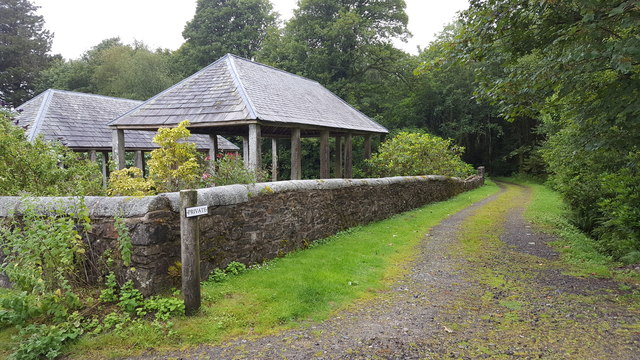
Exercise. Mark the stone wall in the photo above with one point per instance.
(246, 223)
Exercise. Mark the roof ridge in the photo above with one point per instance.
(37, 122)
(243, 92)
(92, 95)
(111, 123)
(274, 68)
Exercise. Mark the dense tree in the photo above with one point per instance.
(114, 69)
(24, 47)
(576, 66)
(220, 27)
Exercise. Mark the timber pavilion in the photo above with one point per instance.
(238, 97)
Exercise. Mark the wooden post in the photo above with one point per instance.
(296, 155)
(105, 168)
(338, 173)
(138, 160)
(245, 151)
(213, 151)
(367, 146)
(254, 147)
(190, 253)
(348, 157)
(117, 145)
(274, 159)
(92, 156)
(324, 154)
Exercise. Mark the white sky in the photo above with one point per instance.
(80, 24)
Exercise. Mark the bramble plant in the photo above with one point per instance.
(412, 154)
(174, 166)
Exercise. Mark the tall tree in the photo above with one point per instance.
(24, 47)
(223, 26)
(346, 45)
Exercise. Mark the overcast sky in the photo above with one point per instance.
(80, 24)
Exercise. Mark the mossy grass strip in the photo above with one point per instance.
(302, 287)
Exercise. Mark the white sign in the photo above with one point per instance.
(196, 211)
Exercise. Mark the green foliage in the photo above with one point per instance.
(24, 47)
(130, 298)
(174, 166)
(220, 27)
(44, 341)
(229, 170)
(42, 251)
(114, 69)
(125, 244)
(42, 168)
(130, 182)
(409, 154)
(233, 268)
(109, 293)
(574, 66)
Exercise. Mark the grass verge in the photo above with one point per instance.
(291, 291)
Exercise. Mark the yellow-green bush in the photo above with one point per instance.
(130, 182)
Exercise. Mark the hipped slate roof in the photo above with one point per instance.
(234, 90)
(80, 122)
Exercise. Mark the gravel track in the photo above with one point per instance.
(412, 319)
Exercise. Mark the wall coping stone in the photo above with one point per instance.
(129, 207)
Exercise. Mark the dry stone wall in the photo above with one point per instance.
(246, 223)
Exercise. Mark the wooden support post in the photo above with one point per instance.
(338, 173)
(138, 160)
(105, 168)
(367, 146)
(274, 159)
(296, 155)
(118, 146)
(245, 151)
(92, 156)
(255, 147)
(348, 157)
(213, 151)
(190, 253)
(324, 154)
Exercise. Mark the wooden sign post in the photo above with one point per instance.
(190, 249)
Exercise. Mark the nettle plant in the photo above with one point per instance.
(45, 259)
(229, 169)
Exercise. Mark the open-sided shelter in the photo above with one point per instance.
(80, 122)
(236, 96)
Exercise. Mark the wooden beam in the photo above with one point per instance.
(245, 151)
(254, 147)
(367, 146)
(324, 154)
(105, 168)
(92, 156)
(348, 157)
(274, 159)
(118, 146)
(190, 253)
(296, 155)
(338, 173)
(213, 151)
(138, 160)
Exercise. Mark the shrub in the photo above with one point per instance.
(410, 154)
(174, 166)
(130, 182)
(229, 170)
(42, 168)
